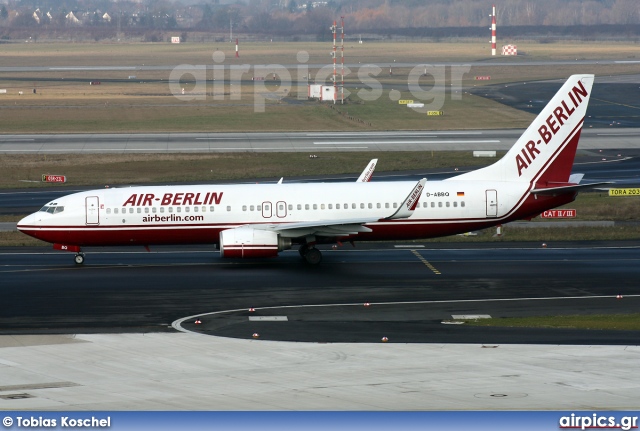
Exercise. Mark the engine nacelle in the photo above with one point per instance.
(243, 242)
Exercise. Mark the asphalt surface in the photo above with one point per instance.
(593, 139)
(131, 290)
(613, 103)
(499, 61)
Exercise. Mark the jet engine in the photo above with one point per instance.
(244, 242)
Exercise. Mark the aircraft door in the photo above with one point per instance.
(267, 211)
(492, 203)
(281, 209)
(91, 208)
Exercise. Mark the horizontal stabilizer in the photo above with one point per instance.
(567, 189)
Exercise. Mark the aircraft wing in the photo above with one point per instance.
(344, 227)
(330, 228)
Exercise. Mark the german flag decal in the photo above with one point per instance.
(460, 193)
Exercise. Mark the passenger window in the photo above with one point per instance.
(131, 210)
(361, 206)
(178, 209)
(395, 205)
(299, 206)
(321, 206)
(315, 206)
(124, 210)
(455, 204)
(154, 210)
(439, 204)
(346, 206)
(386, 204)
(290, 207)
(161, 209)
(353, 206)
(211, 208)
(330, 206)
(424, 204)
(228, 208)
(146, 210)
(462, 204)
(433, 204)
(244, 207)
(195, 209)
(139, 210)
(337, 206)
(378, 205)
(187, 209)
(252, 208)
(108, 210)
(115, 210)
(306, 206)
(447, 204)
(370, 206)
(204, 209)
(170, 209)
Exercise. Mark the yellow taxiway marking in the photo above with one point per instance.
(426, 262)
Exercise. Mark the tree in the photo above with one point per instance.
(4, 14)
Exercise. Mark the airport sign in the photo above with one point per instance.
(559, 214)
(54, 178)
(624, 192)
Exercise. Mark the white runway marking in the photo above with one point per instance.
(177, 325)
(485, 141)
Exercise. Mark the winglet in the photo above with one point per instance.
(366, 175)
(411, 201)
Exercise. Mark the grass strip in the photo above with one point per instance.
(619, 322)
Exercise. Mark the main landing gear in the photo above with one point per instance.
(310, 254)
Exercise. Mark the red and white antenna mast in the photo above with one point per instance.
(334, 29)
(342, 60)
(493, 31)
(237, 54)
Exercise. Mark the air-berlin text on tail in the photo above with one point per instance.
(412, 202)
(551, 126)
(175, 199)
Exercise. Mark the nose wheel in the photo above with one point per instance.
(79, 258)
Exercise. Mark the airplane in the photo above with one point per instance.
(261, 220)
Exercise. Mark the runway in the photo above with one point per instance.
(413, 287)
(308, 142)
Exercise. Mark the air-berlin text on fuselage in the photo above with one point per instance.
(174, 199)
(551, 126)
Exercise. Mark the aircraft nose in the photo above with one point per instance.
(29, 220)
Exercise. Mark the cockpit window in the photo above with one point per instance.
(51, 209)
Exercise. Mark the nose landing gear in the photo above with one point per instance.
(79, 259)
